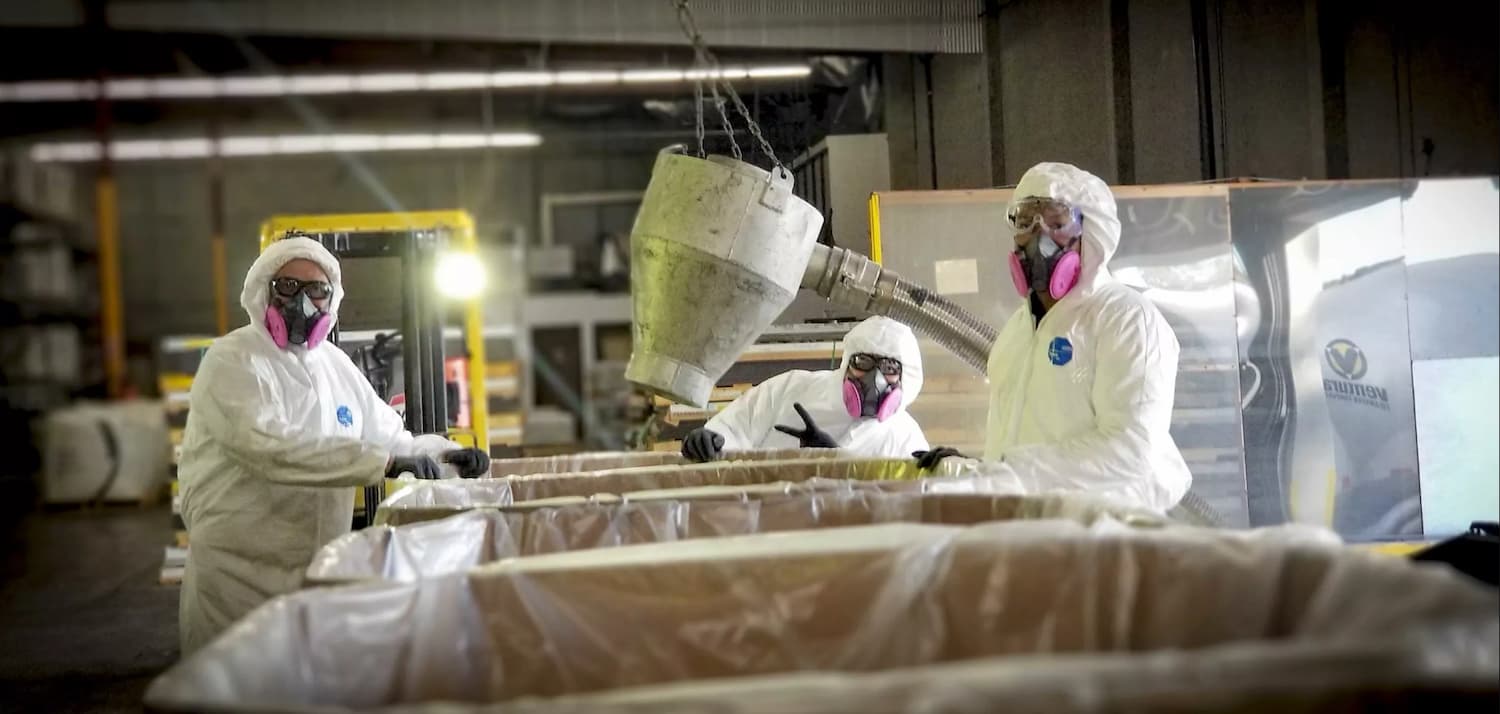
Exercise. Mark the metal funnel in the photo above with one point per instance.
(718, 250)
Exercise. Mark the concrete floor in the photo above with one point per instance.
(84, 623)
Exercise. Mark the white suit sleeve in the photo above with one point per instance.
(909, 441)
(243, 411)
(745, 423)
(1134, 383)
(386, 428)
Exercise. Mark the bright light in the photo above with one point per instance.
(652, 75)
(460, 276)
(52, 91)
(252, 86)
(503, 80)
(787, 72)
(281, 145)
(137, 88)
(587, 77)
(322, 84)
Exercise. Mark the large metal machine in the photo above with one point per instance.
(721, 247)
(431, 381)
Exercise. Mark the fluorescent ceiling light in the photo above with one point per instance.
(184, 87)
(52, 91)
(652, 75)
(789, 72)
(587, 77)
(324, 84)
(134, 88)
(502, 80)
(251, 86)
(280, 145)
(441, 81)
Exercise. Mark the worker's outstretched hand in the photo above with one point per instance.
(471, 463)
(703, 445)
(928, 460)
(423, 467)
(810, 437)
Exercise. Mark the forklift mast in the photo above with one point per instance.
(416, 239)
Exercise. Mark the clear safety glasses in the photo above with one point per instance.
(889, 366)
(1058, 220)
(289, 287)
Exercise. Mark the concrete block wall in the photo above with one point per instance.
(1294, 89)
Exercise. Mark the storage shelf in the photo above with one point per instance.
(32, 312)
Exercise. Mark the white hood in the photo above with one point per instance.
(886, 337)
(1088, 193)
(750, 422)
(256, 294)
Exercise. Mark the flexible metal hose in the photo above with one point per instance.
(851, 279)
(935, 316)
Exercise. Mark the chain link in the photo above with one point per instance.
(709, 63)
(734, 146)
(698, 115)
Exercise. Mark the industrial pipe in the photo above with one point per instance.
(853, 280)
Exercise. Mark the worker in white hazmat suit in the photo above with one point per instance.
(1082, 376)
(859, 407)
(281, 427)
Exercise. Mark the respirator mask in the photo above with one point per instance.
(877, 392)
(292, 318)
(1045, 265)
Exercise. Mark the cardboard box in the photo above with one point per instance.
(470, 539)
(430, 500)
(1060, 617)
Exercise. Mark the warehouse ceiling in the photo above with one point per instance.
(935, 26)
(838, 95)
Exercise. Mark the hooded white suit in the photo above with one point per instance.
(276, 441)
(748, 422)
(1083, 400)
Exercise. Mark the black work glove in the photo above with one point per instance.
(928, 460)
(811, 437)
(471, 463)
(423, 467)
(702, 445)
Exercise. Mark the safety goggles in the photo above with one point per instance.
(1058, 220)
(889, 366)
(289, 287)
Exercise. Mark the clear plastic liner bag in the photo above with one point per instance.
(1119, 614)
(472, 538)
(429, 500)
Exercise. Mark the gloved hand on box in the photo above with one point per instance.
(471, 463)
(702, 445)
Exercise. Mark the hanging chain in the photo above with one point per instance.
(710, 64)
(734, 146)
(698, 115)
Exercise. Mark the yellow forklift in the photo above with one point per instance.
(438, 393)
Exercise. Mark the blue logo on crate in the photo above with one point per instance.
(1060, 351)
(346, 416)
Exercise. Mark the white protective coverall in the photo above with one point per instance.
(276, 441)
(1083, 401)
(748, 422)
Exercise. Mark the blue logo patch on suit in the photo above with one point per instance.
(1060, 351)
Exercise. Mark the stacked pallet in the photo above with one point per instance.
(502, 384)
